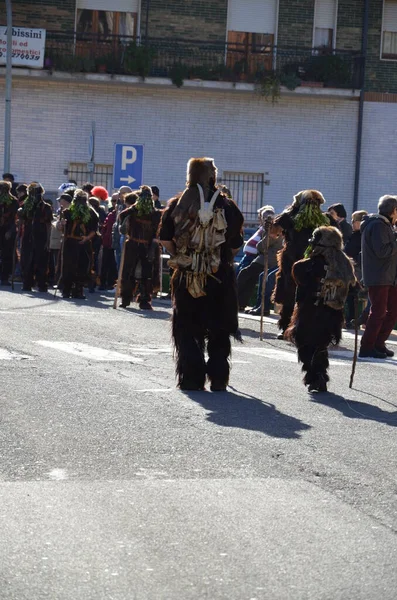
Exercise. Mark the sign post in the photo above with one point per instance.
(128, 165)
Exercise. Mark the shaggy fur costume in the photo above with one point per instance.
(207, 314)
(35, 217)
(8, 211)
(323, 282)
(297, 232)
(77, 259)
(140, 223)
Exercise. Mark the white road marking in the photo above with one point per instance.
(58, 474)
(90, 352)
(264, 352)
(9, 355)
(156, 390)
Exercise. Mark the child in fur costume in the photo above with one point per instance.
(323, 281)
(202, 230)
(298, 222)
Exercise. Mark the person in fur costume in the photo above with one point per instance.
(35, 218)
(323, 282)
(298, 222)
(8, 212)
(80, 224)
(139, 223)
(202, 230)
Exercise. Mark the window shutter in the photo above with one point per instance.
(253, 16)
(325, 14)
(110, 5)
(390, 16)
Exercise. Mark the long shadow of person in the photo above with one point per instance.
(235, 409)
(357, 410)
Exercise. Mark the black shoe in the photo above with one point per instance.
(65, 296)
(43, 290)
(318, 385)
(145, 305)
(190, 386)
(218, 386)
(349, 325)
(371, 353)
(280, 336)
(26, 289)
(385, 350)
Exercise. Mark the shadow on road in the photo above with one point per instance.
(236, 409)
(357, 410)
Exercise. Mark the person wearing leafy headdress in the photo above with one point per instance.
(323, 281)
(80, 224)
(139, 223)
(298, 222)
(8, 211)
(35, 217)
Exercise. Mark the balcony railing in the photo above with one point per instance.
(182, 59)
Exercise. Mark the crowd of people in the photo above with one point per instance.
(315, 264)
(81, 242)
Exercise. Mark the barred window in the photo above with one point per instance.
(102, 174)
(247, 191)
(389, 30)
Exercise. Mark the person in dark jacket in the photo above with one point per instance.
(379, 268)
(338, 212)
(353, 249)
(108, 267)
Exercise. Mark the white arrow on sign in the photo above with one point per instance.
(128, 179)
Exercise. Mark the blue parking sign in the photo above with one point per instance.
(128, 165)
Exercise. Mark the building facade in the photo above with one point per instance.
(269, 88)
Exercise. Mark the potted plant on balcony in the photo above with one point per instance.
(268, 85)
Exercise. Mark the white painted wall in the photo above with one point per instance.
(379, 153)
(301, 142)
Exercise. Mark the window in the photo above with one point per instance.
(102, 175)
(247, 192)
(389, 33)
(252, 26)
(105, 23)
(325, 17)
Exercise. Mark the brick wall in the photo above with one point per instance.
(300, 142)
(295, 26)
(46, 14)
(204, 20)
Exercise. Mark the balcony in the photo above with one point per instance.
(268, 67)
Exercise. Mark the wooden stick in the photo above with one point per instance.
(355, 340)
(266, 230)
(121, 267)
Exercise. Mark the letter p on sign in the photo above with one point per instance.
(128, 157)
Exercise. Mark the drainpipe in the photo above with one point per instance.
(364, 47)
(7, 120)
(147, 21)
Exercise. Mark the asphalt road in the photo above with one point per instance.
(115, 485)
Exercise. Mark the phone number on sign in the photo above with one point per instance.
(23, 55)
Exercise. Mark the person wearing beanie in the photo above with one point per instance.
(338, 212)
(102, 195)
(156, 197)
(248, 277)
(8, 211)
(139, 223)
(35, 216)
(80, 224)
